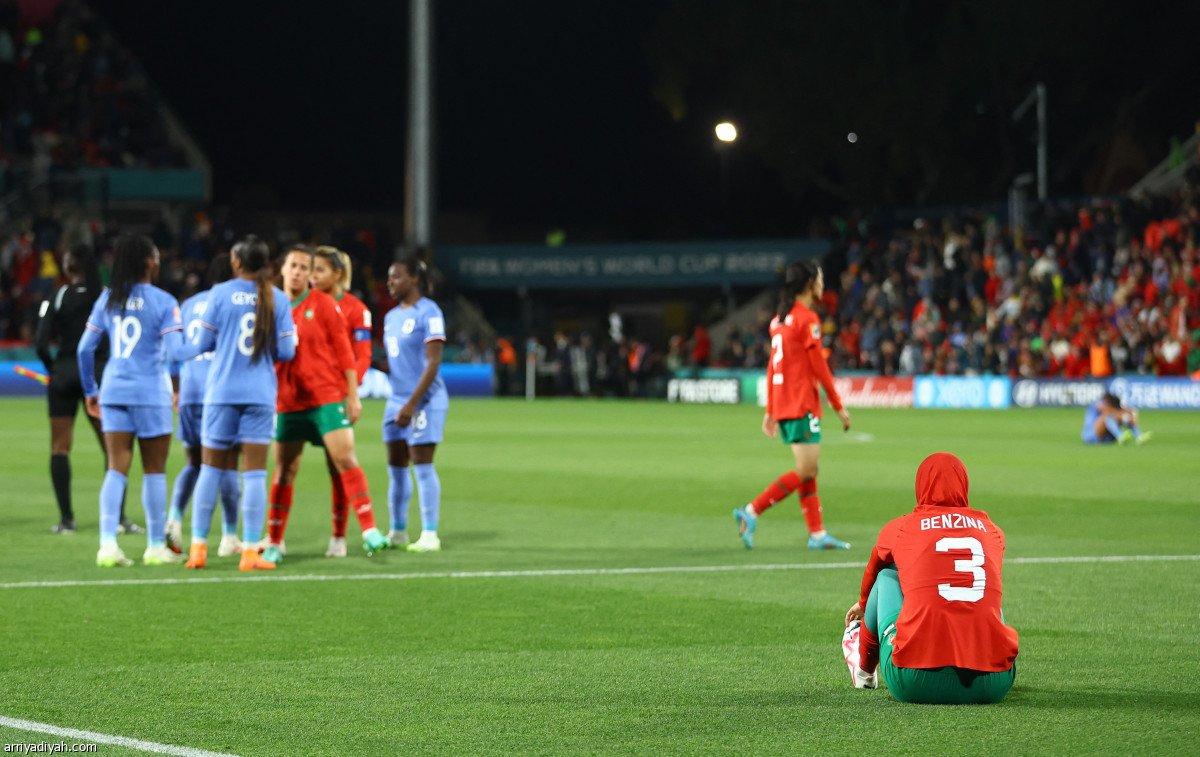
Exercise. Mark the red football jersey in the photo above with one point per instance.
(358, 323)
(948, 557)
(317, 375)
(797, 367)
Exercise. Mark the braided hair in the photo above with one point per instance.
(131, 261)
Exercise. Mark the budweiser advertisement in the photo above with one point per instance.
(875, 391)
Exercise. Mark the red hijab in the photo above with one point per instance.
(942, 481)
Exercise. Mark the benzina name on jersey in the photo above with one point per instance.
(951, 521)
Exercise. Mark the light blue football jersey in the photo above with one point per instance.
(227, 330)
(193, 374)
(142, 338)
(405, 332)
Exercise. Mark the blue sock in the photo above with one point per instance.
(254, 505)
(231, 494)
(1133, 427)
(400, 489)
(1113, 426)
(206, 500)
(112, 492)
(154, 504)
(429, 491)
(184, 483)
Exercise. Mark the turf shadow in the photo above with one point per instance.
(1103, 698)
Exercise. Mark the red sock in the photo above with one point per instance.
(810, 503)
(868, 650)
(281, 507)
(783, 486)
(358, 498)
(339, 508)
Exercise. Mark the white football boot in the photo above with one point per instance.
(859, 677)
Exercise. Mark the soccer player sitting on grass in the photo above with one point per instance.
(1106, 422)
(928, 614)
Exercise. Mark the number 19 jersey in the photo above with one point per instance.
(234, 378)
(136, 373)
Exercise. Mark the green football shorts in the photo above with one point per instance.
(806, 430)
(948, 685)
(311, 425)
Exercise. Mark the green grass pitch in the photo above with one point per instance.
(743, 661)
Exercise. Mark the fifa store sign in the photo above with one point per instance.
(724, 391)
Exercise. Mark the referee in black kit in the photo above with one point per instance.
(64, 317)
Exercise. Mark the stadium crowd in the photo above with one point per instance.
(1103, 288)
(70, 96)
(1111, 287)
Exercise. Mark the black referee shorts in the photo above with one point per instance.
(65, 391)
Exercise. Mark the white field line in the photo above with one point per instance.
(274, 577)
(104, 738)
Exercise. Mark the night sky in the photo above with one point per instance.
(546, 111)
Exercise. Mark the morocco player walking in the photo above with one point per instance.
(134, 400)
(331, 274)
(414, 333)
(247, 326)
(928, 613)
(318, 402)
(796, 368)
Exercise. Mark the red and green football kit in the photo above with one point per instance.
(931, 595)
(797, 368)
(358, 322)
(317, 375)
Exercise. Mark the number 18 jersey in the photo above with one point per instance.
(233, 377)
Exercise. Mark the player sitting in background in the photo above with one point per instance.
(931, 593)
(1106, 422)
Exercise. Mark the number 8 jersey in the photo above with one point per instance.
(948, 557)
(233, 377)
(136, 373)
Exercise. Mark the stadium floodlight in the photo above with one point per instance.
(726, 132)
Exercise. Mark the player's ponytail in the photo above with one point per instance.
(131, 256)
(796, 279)
(347, 271)
(254, 255)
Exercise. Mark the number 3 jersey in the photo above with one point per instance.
(948, 557)
(136, 373)
(227, 321)
(406, 330)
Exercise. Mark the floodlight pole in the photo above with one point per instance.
(419, 190)
(1038, 95)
